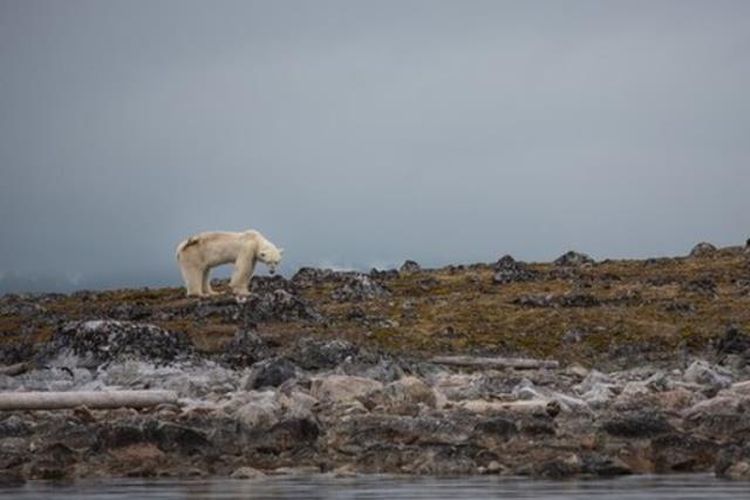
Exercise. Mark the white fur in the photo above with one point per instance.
(198, 254)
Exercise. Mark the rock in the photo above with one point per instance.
(261, 411)
(701, 286)
(573, 259)
(297, 404)
(703, 249)
(723, 415)
(136, 459)
(247, 473)
(409, 267)
(700, 372)
(11, 478)
(403, 396)
(278, 305)
(734, 341)
(100, 342)
(733, 462)
(641, 424)
(359, 287)
(604, 466)
(508, 270)
(342, 387)
(574, 299)
(245, 349)
(742, 388)
(312, 354)
(270, 373)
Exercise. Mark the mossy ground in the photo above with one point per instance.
(654, 307)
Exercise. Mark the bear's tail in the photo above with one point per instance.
(182, 246)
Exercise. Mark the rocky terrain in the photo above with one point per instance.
(335, 372)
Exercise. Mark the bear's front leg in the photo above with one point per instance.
(243, 272)
(207, 290)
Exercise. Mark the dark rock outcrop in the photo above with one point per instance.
(573, 259)
(509, 270)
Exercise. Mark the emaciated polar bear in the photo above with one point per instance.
(199, 253)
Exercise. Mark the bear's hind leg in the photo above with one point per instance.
(193, 277)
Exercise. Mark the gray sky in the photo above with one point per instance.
(362, 133)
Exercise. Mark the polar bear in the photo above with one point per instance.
(198, 254)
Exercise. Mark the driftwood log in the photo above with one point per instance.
(89, 399)
(477, 362)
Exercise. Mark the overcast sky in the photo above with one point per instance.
(358, 134)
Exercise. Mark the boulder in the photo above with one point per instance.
(703, 249)
(270, 373)
(247, 473)
(404, 396)
(342, 387)
(358, 287)
(99, 342)
(508, 270)
(313, 354)
(573, 259)
(409, 266)
(245, 349)
(701, 372)
(261, 411)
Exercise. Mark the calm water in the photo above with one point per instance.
(379, 487)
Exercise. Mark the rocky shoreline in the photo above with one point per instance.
(290, 390)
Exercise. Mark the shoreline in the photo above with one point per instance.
(336, 372)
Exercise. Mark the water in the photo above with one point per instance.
(684, 487)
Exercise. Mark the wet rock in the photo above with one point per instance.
(245, 349)
(409, 266)
(642, 424)
(573, 259)
(508, 270)
(359, 287)
(558, 468)
(703, 249)
(701, 372)
(680, 452)
(342, 387)
(734, 462)
(270, 373)
(604, 466)
(138, 460)
(11, 478)
(103, 341)
(247, 473)
(312, 354)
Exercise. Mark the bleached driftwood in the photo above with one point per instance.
(90, 399)
(15, 369)
(478, 362)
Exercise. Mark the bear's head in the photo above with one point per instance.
(270, 255)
